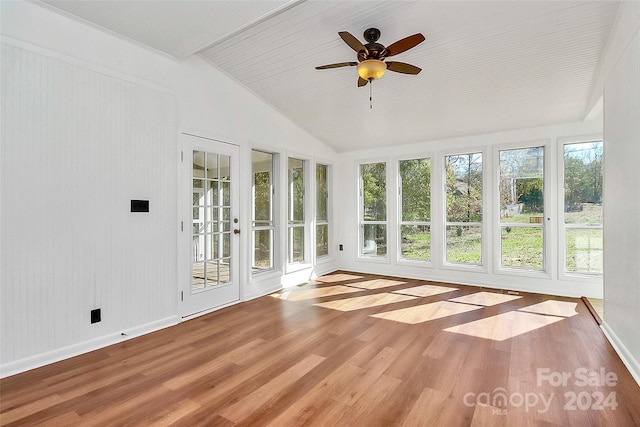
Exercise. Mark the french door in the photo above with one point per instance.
(209, 238)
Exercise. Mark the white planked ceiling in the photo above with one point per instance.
(487, 66)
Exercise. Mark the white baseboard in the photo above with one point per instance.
(32, 362)
(629, 361)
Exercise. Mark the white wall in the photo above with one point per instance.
(91, 121)
(553, 281)
(622, 206)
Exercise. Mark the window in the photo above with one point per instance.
(522, 208)
(415, 209)
(464, 208)
(322, 211)
(373, 216)
(262, 222)
(296, 212)
(583, 169)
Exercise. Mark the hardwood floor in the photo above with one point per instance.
(348, 349)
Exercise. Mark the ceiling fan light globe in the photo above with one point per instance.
(371, 69)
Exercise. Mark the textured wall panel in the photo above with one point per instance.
(76, 146)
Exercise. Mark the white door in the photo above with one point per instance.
(209, 239)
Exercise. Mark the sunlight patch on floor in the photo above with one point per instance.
(426, 312)
(552, 308)
(376, 284)
(365, 301)
(504, 326)
(339, 277)
(486, 299)
(425, 290)
(313, 293)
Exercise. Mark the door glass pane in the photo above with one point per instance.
(198, 164)
(416, 242)
(211, 224)
(583, 178)
(212, 166)
(225, 172)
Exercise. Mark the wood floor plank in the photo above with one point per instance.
(346, 349)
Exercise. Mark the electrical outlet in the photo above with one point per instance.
(341, 247)
(96, 315)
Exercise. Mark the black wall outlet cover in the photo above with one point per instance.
(95, 315)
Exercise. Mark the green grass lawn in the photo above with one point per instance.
(522, 247)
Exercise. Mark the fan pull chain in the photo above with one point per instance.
(371, 94)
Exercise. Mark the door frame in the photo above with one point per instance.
(193, 304)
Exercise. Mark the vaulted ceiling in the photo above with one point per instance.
(486, 66)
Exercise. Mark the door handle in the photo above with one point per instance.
(236, 231)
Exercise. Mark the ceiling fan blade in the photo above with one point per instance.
(404, 44)
(401, 67)
(338, 65)
(362, 82)
(353, 42)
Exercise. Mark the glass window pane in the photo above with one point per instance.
(225, 188)
(374, 188)
(198, 164)
(226, 245)
(322, 192)
(416, 242)
(522, 247)
(211, 196)
(374, 240)
(198, 192)
(262, 249)
(198, 280)
(225, 170)
(464, 187)
(583, 175)
(197, 248)
(584, 250)
(262, 190)
(415, 176)
(296, 244)
(464, 244)
(212, 250)
(212, 166)
(296, 190)
(212, 273)
(224, 270)
(521, 185)
(322, 240)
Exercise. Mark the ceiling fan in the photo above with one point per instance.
(371, 56)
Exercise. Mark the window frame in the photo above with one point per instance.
(323, 222)
(273, 226)
(486, 164)
(400, 222)
(548, 252)
(563, 274)
(305, 224)
(361, 222)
